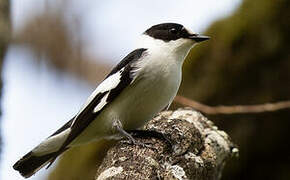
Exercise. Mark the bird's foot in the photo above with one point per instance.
(150, 134)
(138, 143)
(118, 126)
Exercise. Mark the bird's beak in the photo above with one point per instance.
(198, 38)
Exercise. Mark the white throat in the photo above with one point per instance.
(177, 49)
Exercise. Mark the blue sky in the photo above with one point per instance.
(36, 101)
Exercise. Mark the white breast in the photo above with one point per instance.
(154, 88)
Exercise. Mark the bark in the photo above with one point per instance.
(197, 150)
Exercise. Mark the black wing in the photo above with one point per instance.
(87, 114)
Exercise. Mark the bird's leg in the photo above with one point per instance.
(118, 126)
(140, 133)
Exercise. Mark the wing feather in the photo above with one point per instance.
(119, 78)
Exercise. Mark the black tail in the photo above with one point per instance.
(30, 163)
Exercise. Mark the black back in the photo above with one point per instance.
(168, 31)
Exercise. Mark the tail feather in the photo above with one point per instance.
(46, 152)
(30, 163)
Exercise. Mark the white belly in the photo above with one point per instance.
(143, 100)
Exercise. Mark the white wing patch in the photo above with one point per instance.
(51, 144)
(108, 84)
(101, 104)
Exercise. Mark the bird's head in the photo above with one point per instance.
(170, 37)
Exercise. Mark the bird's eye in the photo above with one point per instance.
(173, 30)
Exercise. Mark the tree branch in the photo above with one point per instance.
(237, 109)
(198, 150)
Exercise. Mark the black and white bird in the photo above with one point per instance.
(141, 85)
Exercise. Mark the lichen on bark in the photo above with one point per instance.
(197, 150)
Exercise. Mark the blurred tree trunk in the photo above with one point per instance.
(5, 32)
